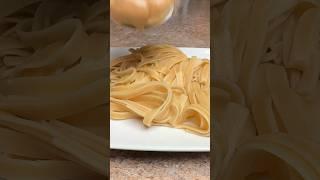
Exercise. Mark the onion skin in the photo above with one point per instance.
(141, 13)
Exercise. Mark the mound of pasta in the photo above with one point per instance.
(267, 89)
(53, 76)
(161, 86)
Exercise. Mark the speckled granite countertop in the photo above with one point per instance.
(131, 165)
(190, 27)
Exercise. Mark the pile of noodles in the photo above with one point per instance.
(52, 89)
(267, 89)
(160, 85)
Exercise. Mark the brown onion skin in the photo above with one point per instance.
(140, 13)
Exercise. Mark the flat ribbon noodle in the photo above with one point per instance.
(161, 86)
(52, 77)
(266, 89)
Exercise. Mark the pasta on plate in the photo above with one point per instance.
(161, 86)
(266, 89)
(52, 88)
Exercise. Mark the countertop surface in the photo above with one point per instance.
(189, 27)
(133, 165)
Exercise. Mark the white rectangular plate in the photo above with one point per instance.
(133, 135)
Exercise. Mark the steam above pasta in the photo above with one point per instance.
(161, 86)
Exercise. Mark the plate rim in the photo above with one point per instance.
(152, 148)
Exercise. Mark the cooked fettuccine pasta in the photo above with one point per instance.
(53, 77)
(161, 86)
(267, 89)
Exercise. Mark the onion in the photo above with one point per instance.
(141, 13)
